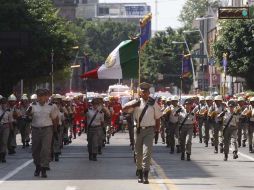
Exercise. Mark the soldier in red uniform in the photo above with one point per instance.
(116, 114)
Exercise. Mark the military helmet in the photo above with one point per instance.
(24, 97)
(219, 98)
(239, 99)
(209, 98)
(252, 99)
(175, 98)
(232, 103)
(34, 97)
(201, 98)
(12, 97)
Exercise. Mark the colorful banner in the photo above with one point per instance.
(145, 29)
(186, 67)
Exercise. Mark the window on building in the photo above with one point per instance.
(103, 11)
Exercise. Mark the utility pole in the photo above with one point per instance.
(52, 71)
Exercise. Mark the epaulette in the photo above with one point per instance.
(50, 104)
(34, 103)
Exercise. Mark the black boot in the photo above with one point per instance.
(172, 150)
(235, 156)
(206, 143)
(99, 150)
(140, 176)
(3, 157)
(43, 172)
(107, 140)
(221, 148)
(216, 149)
(188, 157)
(27, 144)
(182, 156)
(244, 143)
(212, 141)
(146, 177)
(94, 157)
(178, 150)
(56, 157)
(37, 171)
(226, 157)
(90, 156)
(163, 140)
(200, 140)
(239, 143)
(24, 145)
(250, 149)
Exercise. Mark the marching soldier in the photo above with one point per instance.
(243, 122)
(218, 127)
(209, 122)
(186, 120)
(23, 121)
(163, 120)
(12, 144)
(5, 125)
(44, 123)
(201, 113)
(147, 116)
(249, 112)
(230, 130)
(95, 118)
(173, 125)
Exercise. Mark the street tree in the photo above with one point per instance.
(42, 31)
(236, 38)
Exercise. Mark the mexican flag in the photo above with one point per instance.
(122, 63)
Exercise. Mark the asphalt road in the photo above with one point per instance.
(115, 169)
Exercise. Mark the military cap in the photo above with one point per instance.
(42, 92)
(231, 103)
(144, 86)
(188, 101)
(96, 101)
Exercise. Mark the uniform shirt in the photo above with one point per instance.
(152, 113)
(218, 111)
(172, 117)
(42, 115)
(233, 121)
(200, 109)
(252, 112)
(98, 119)
(22, 111)
(190, 119)
(6, 117)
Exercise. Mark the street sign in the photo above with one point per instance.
(233, 13)
(198, 56)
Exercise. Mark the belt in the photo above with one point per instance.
(146, 127)
(40, 128)
(95, 126)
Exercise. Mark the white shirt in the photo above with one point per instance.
(152, 113)
(218, 111)
(97, 120)
(172, 117)
(42, 115)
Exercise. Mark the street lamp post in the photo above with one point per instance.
(52, 71)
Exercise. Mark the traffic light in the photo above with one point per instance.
(234, 13)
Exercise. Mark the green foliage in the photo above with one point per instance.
(45, 30)
(236, 39)
(162, 56)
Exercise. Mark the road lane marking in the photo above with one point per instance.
(244, 155)
(71, 188)
(161, 178)
(15, 171)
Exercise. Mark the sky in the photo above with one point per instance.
(168, 11)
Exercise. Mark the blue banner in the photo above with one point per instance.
(186, 67)
(145, 29)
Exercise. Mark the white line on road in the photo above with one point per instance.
(15, 171)
(71, 188)
(244, 155)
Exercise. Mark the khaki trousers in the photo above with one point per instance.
(41, 145)
(186, 138)
(143, 148)
(4, 135)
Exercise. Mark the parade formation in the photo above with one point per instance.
(50, 122)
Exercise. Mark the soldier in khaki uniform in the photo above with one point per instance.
(5, 125)
(186, 121)
(209, 122)
(230, 130)
(44, 123)
(145, 129)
